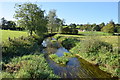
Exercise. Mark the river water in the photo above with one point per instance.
(76, 67)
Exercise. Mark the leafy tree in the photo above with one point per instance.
(7, 24)
(11, 25)
(109, 27)
(3, 23)
(96, 28)
(73, 27)
(101, 25)
(66, 30)
(88, 27)
(117, 28)
(54, 23)
(31, 17)
(60, 24)
(51, 20)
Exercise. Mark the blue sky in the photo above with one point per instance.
(72, 12)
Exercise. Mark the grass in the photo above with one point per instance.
(12, 34)
(110, 39)
(107, 61)
(95, 33)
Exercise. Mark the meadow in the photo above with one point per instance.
(12, 34)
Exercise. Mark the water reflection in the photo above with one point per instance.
(60, 51)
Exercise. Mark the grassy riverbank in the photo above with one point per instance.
(99, 50)
(21, 56)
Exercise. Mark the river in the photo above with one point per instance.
(75, 68)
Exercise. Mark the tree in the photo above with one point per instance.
(3, 23)
(66, 30)
(73, 27)
(96, 28)
(88, 27)
(117, 28)
(101, 25)
(11, 25)
(31, 17)
(109, 27)
(54, 23)
(52, 20)
(60, 24)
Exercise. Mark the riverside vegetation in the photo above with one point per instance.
(20, 53)
(98, 50)
(19, 59)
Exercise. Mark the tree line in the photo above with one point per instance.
(32, 18)
(110, 27)
(11, 25)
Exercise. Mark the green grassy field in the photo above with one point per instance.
(110, 39)
(95, 33)
(12, 34)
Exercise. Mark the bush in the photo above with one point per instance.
(92, 49)
(18, 47)
(69, 30)
(66, 30)
(69, 43)
(31, 66)
(7, 75)
(93, 45)
(109, 28)
(75, 31)
(66, 54)
(53, 56)
(60, 60)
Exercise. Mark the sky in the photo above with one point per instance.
(72, 12)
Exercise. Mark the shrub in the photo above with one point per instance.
(31, 66)
(109, 28)
(92, 49)
(53, 56)
(66, 30)
(7, 75)
(75, 32)
(67, 54)
(69, 43)
(57, 36)
(93, 45)
(60, 60)
(18, 47)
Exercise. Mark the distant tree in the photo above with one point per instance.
(11, 25)
(93, 26)
(60, 24)
(109, 27)
(31, 17)
(117, 28)
(88, 27)
(96, 28)
(66, 30)
(3, 23)
(54, 23)
(52, 20)
(73, 27)
(101, 25)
